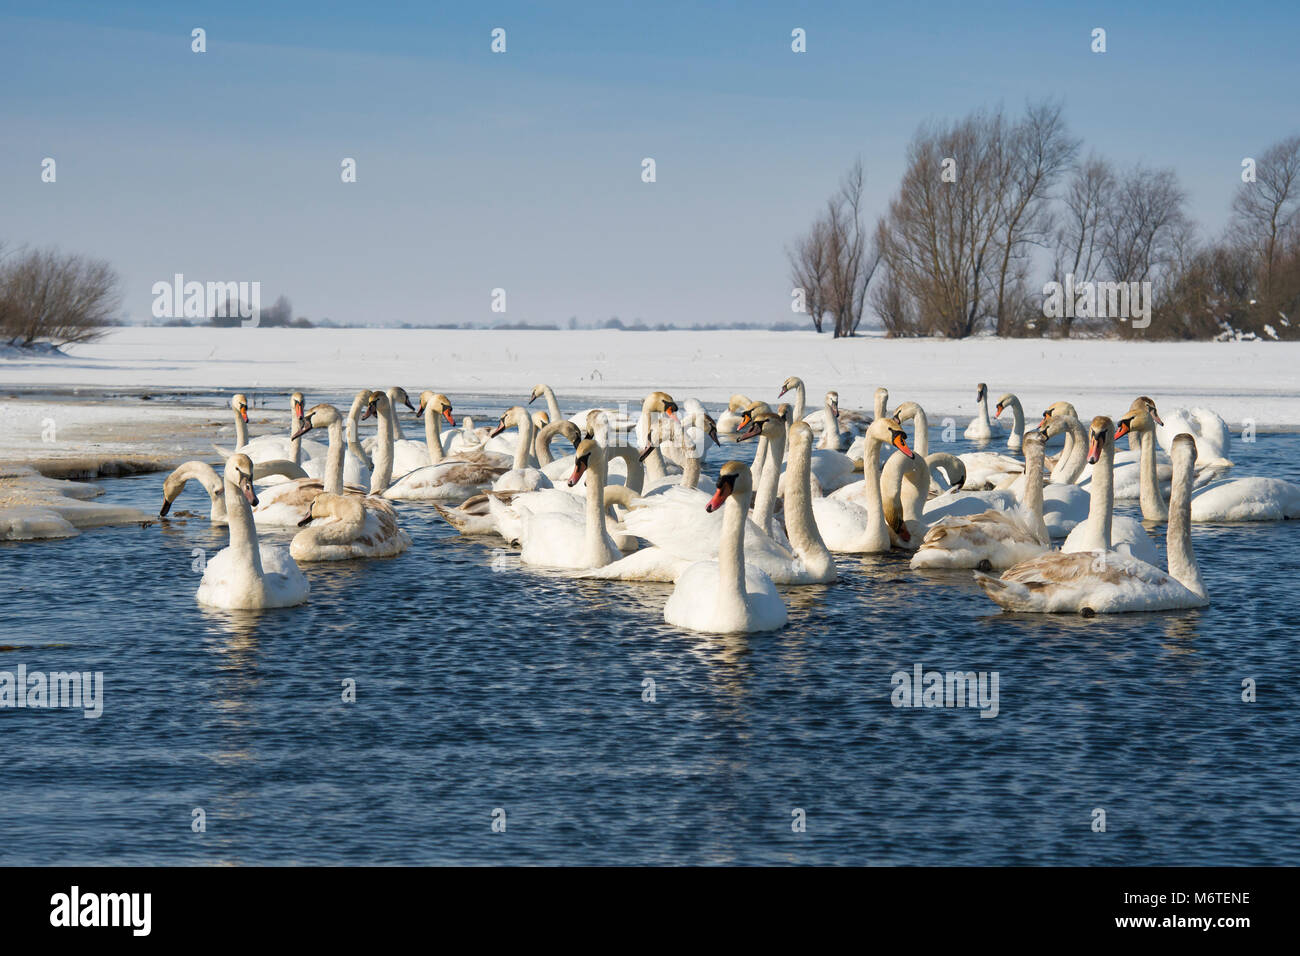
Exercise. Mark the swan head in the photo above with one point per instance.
(1005, 402)
(733, 479)
(661, 402)
(1150, 406)
(239, 472)
(318, 416)
(439, 403)
(907, 411)
(376, 401)
(769, 424)
(710, 427)
(239, 402)
(890, 431)
(1059, 410)
(326, 505)
(397, 395)
(751, 411)
(541, 419)
(1139, 418)
(537, 392)
(981, 392)
(1100, 431)
(297, 401)
(587, 455)
(793, 382)
(738, 403)
(509, 419)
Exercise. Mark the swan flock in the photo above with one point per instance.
(630, 500)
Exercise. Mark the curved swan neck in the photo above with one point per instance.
(207, 476)
(1178, 541)
(354, 430)
(1149, 495)
(382, 476)
(765, 502)
(800, 400)
(552, 406)
(524, 447)
(1075, 455)
(920, 433)
(241, 431)
(334, 459)
(731, 555)
(1101, 498)
(831, 430)
(1033, 497)
(800, 525)
(876, 528)
(597, 553)
(433, 434)
(1017, 436)
(243, 533)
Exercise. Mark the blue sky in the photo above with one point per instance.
(522, 170)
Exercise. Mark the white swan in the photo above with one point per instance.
(1104, 530)
(610, 418)
(349, 527)
(247, 575)
(444, 478)
(723, 596)
(981, 427)
(857, 524)
(559, 539)
(1107, 582)
(1017, 436)
(1207, 428)
(524, 476)
(992, 540)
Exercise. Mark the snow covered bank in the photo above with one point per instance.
(1242, 380)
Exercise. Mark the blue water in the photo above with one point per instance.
(480, 689)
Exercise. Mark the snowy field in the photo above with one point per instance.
(1243, 381)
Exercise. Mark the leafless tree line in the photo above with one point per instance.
(992, 207)
(55, 297)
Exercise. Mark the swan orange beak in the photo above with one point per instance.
(752, 430)
(1122, 430)
(297, 409)
(243, 412)
(998, 410)
(1043, 423)
(1094, 451)
(900, 442)
(370, 412)
(446, 413)
(579, 469)
(671, 412)
(719, 496)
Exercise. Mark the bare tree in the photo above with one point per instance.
(809, 270)
(47, 296)
(1032, 159)
(1079, 240)
(835, 261)
(1266, 209)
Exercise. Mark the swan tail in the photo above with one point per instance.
(466, 523)
(1007, 594)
